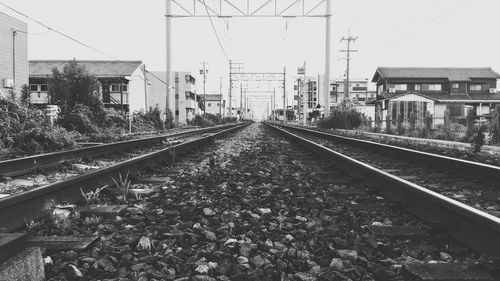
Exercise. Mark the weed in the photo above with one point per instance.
(123, 186)
(32, 226)
(92, 197)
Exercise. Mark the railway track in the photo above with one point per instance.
(26, 165)
(260, 207)
(407, 176)
(17, 209)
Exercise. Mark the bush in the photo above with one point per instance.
(148, 121)
(200, 121)
(343, 119)
(24, 129)
(477, 138)
(208, 120)
(78, 118)
(226, 120)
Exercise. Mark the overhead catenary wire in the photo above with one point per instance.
(215, 31)
(57, 31)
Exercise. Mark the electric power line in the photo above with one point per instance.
(57, 31)
(215, 31)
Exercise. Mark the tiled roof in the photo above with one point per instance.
(42, 68)
(450, 73)
(445, 97)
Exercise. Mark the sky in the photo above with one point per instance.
(452, 33)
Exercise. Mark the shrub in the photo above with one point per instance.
(343, 119)
(477, 138)
(420, 132)
(226, 120)
(26, 129)
(201, 121)
(443, 133)
(151, 120)
(78, 118)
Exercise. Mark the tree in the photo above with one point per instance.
(76, 92)
(74, 85)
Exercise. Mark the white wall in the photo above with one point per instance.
(136, 91)
(368, 110)
(7, 24)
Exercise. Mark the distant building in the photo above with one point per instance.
(314, 88)
(358, 90)
(13, 54)
(184, 101)
(121, 82)
(214, 104)
(402, 91)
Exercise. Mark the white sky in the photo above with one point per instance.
(458, 33)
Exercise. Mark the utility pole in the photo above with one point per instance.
(328, 16)
(168, 27)
(348, 52)
(304, 98)
(14, 33)
(145, 88)
(204, 73)
(220, 99)
(233, 66)
(273, 104)
(246, 104)
(285, 119)
(230, 88)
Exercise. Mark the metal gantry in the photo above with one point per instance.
(249, 9)
(234, 9)
(236, 75)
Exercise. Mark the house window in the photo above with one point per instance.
(454, 85)
(218, 104)
(209, 105)
(114, 87)
(44, 88)
(475, 87)
(418, 87)
(431, 87)
(398, 87)
(33, 87)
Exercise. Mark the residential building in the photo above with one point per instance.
(358, 90)
(13, 55)
(214, 104)
(183, 97)
(121, 83)
(402, 91)
(359, 93)
(313, 89)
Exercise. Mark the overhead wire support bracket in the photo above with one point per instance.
(234, 9)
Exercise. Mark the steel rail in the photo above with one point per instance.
(465, 167)
(477, 229)
(21, 207)
(26, 165)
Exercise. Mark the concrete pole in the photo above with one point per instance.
(326, 94)
(145, 88)
(273, 103)
(230, 90)
(168, 28)
(304, 96)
